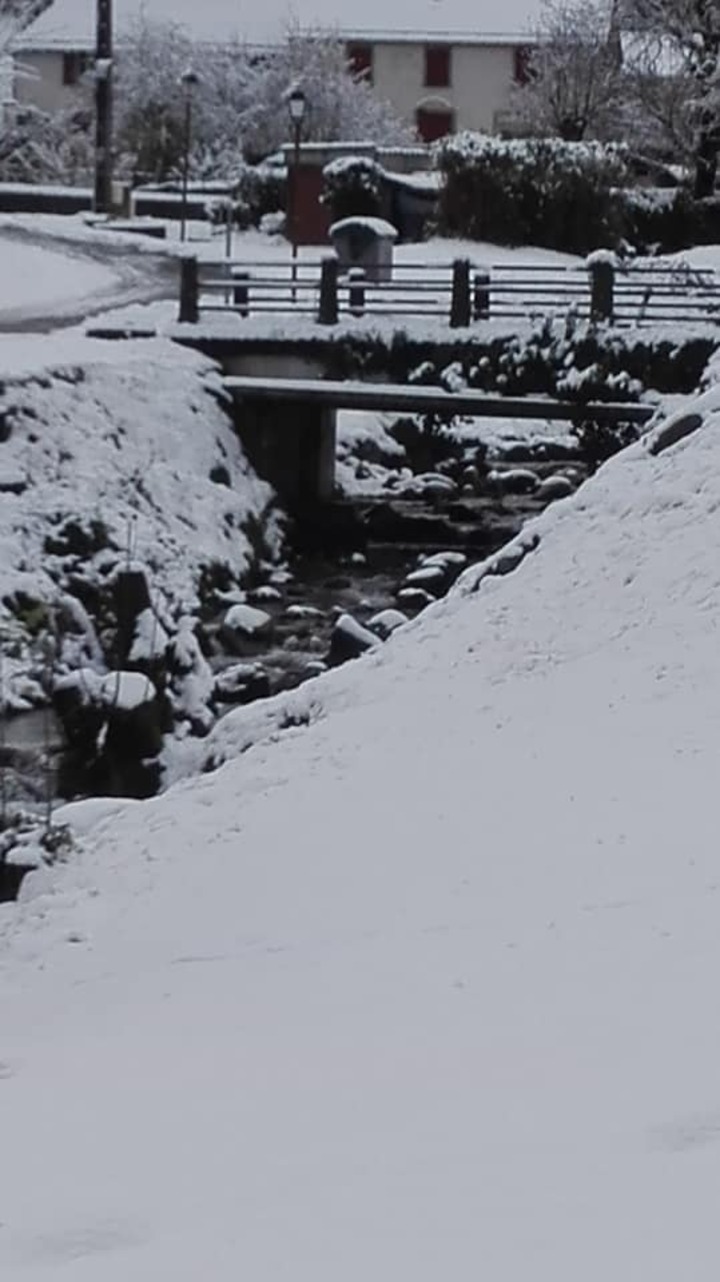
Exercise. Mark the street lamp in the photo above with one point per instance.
(296, 106)
(189, 81)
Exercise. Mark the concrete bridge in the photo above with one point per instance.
(288, 425)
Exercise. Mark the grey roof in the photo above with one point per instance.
(70, 23)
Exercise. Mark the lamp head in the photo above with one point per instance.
(296, 105)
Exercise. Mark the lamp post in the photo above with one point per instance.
(189, 81)
(296, 106)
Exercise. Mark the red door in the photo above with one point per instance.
(433, 123)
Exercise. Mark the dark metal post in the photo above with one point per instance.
(460, 300)
(602, 289)
(481, 294)
(328, 312)
(294, 203)
(356, 290)
(189, 290)
(103, 107)
(188, 80)
(241, 291)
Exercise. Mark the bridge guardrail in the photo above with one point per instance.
(459, 292)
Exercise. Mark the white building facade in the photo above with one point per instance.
(441, 86)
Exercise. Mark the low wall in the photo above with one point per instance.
(27, 198)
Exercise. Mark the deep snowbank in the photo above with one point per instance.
(423, 988)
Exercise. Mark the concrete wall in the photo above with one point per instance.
(481, 77)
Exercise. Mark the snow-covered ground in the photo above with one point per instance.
(423, 984)
(32, 275)
(52, 277)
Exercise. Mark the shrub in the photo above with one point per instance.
(39, 148)
(540, 191)
(257, 190)
(352, 186)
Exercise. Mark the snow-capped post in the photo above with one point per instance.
(328, 312)
(241, 290)
(356, 290)
(481, 294)
(601, 266)
(460, 298)
(189, 290)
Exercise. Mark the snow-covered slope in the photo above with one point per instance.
(425, 988)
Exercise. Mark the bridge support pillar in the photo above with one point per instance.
(291, 445)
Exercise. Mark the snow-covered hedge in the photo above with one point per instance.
(663, 220)
(352, 186)
(540, 191)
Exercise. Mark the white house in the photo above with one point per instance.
(443, 64)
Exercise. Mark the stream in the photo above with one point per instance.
(384, 539)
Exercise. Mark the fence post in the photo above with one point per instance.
(481, 294)
(356, 291)
(328, 312)
(602, 289)
(460, 300)
(241, 290)
(189, 291)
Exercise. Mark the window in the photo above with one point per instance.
(360, 57)
(433, 123)
(437, 66)
(522, 56)
(74, 66)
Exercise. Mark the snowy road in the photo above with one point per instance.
(48, 282)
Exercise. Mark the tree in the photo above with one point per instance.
(685, 34)
(573, 71)
(15, 15)
(239, 105)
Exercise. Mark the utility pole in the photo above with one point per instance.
(103, 107)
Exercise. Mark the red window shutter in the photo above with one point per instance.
(432, 125)
(360, 57)
(522, 59)
(437, 66)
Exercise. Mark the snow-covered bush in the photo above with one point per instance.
(352, 186)
(258, 190)
(663, 220)
(538, 191)
(41, 148)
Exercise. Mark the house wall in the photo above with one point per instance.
(481, 78)
(44, 88)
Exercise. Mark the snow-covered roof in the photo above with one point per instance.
(71, 23)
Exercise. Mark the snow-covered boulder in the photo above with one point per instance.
(241, 683)
(555, 487)
(431, 578)
(385, 622)
(349, 640)
(244, 626)
(414, 598)
(517, 480)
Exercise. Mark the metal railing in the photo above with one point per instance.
(459, 292)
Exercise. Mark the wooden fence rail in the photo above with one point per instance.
(460, 293)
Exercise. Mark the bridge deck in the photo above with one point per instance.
(399, 397)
